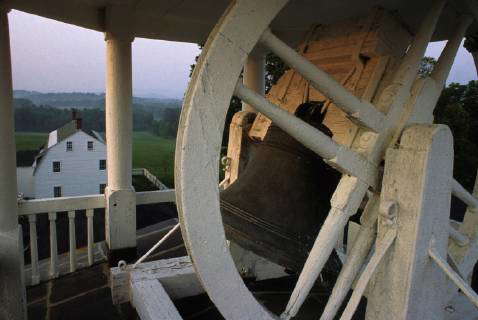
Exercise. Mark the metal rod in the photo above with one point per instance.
(176, 227)
(462, 194)
(367, 273)
(460, 283)
(363, 111)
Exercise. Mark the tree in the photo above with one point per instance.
(426, 66)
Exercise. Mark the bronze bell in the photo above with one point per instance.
(279, 202)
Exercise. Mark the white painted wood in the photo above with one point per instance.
(254, 75)
(91, 235)
(120, 228)
(358, 249)
(459, 238)
(35, 206)
(12, 286)
(160, 196)
(417, 177)
(28, 207)
(445, 62)
(381, 248)
(344, 204)
(152, 302)
(363, 112)
(80, 174)
(197, 154)
(72, 240)
(457, 280)
(392, 99)
(462, 194)
(176, 275)
(35, 278)
(342, 158)
(119, 113)
(53, 246)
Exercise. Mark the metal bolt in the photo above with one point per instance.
(449, 309)
(389, 210)
(122, 265)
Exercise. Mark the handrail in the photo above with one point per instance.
(30, 209)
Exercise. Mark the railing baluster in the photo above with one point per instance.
(72, 234)
(53, 246)
(90, 230)
(32, 219)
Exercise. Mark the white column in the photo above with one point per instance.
(11, 266)
(120, 197)
(254, 75)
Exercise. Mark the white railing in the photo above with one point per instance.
(52, 267)
(151, 178)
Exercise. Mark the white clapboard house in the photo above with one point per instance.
(72, 163)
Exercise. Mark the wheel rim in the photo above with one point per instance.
(198, 149)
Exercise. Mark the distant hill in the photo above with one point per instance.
(82, 100)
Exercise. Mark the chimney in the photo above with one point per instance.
(78, 120)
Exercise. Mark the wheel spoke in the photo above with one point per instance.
(340, 157)
(355, 259)
(363, 112)
(380, 250)
(345, 202)
(453, 276)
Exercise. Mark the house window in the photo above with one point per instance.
(102, 188)
(56, 166)
(69, 146)
(57, 192)
(102, 164)
(90, 145)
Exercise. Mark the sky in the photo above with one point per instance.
(51, 56)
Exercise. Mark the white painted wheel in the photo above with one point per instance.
(199, 142)
(198, 151)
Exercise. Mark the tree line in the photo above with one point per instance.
(30, 117)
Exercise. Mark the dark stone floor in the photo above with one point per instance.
(83, 295)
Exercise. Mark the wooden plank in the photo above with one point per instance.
(160, 196)
(60, 204)
(152, 302)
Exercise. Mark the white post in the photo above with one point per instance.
(32, 220)
(53, 246)
(120, 196)
(90, 232)
(72, 235)
(11, 266)
(254, 75)
(408, 284)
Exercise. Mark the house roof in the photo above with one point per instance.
(57, 136)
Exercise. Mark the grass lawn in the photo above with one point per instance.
(30, 140)
(149, 151)
(155, 154)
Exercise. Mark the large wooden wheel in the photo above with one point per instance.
(215, 80)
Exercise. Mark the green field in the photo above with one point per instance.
(149, 151)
